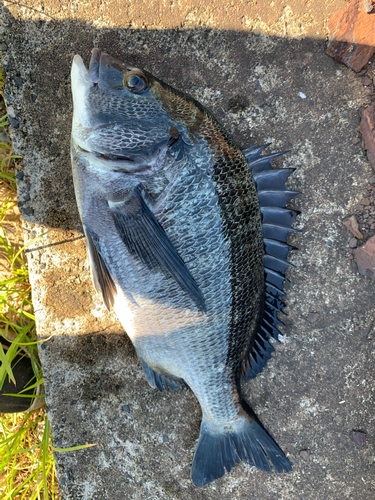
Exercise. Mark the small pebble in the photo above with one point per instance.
(304, 454)
(352, 243)
(366, 81)
(372, 180)
(302, 95)
(14, 122)
(356, 140)
(352, 224)
(365, 201)
(367, 7)
(312, 317)
(18, 81)
(358, 438)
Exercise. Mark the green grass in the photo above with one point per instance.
(27, 463)
(27, 466)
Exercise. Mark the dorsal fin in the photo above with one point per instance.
(259, 163)
(277, 224)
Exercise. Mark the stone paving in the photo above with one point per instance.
(261, 68)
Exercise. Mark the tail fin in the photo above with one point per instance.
(222, 445)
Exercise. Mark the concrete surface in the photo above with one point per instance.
(248, 62)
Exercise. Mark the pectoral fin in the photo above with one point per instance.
(100, 274)
(147, 241)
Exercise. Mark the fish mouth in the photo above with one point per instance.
(104, 70)
(81, 73)
(142, 162)
(93, 71)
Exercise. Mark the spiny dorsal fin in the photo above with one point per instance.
(259, 163)
(277, 224)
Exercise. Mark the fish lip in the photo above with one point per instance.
(80, 72)
(78, 66)
(93, 71)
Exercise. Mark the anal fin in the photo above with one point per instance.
(161, 382)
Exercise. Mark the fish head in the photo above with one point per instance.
(124, 115)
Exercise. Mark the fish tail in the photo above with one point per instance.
(222, 445)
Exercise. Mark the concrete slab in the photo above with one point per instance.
(262, 69)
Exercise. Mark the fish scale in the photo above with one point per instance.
(175, 244)
(185, 206)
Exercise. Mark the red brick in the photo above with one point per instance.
(365, 258)
(367, 128)
(352, 35)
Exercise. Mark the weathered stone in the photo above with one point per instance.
(367, 128)
(353, 227)
(352, 34)
(365, 258)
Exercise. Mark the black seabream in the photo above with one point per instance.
(186, 238)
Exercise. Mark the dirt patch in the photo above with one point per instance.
(64, 299)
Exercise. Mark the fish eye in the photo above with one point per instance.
(136, 83)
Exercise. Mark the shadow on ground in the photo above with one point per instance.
(319, 386)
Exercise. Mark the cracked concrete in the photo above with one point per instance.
(261, 68)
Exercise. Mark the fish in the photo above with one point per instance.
(187, 241)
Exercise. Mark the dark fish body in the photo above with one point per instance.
(173, 223)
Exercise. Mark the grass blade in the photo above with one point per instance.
(5, 367)
(45, 455)
(74, 448)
